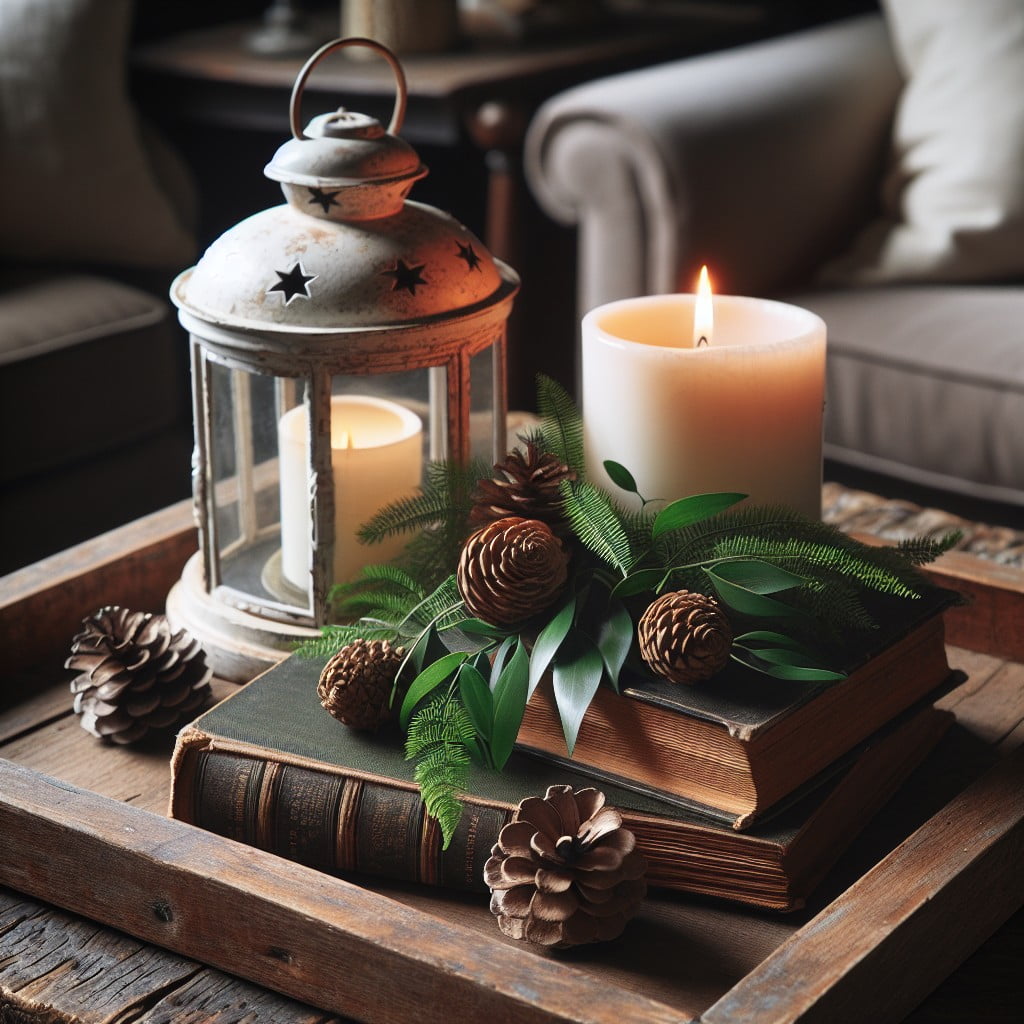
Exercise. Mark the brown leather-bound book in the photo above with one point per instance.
(270, 768)
(737, 746)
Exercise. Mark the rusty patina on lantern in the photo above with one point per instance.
(339, 341)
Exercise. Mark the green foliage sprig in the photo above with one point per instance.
(795, 585)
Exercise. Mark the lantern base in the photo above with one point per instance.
(238, 644)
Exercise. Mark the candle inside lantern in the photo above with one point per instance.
(376, 458)
(739, 411)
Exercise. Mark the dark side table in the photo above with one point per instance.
(226, 110)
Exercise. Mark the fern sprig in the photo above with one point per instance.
(597, 524)
(439, 739)
(561, 424)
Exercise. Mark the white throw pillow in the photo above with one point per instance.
(76, 183)
(953, 195)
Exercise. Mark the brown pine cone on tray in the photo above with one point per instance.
(526, 484)
(685, 637)
(137, 675)
(564, 871)
(355, 685)
(511, 569)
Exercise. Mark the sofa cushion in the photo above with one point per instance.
(927, 384)
(87, 365)
(76, 182)
(953, 197)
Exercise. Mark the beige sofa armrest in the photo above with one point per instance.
(757, 160)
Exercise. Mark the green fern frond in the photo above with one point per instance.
(561, 424)
(922, 550)
(637, 522)
(597, 523)
(442, 607)
(438, 740)
(696, 542)
(333, 638)
(444, 498)
(834, 605)
(808, 557)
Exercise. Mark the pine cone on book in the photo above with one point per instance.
(564, 871)
(685, 637)
(137, 674)
(511, 569)
(525, 485)
(355, 685)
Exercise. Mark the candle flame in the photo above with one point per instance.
(703, 312)
(345, 441)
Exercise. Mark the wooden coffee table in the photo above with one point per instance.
(110, 911)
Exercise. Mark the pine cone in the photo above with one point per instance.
(525, 485)
(137, 675)
(355, 685)
(685, 637)
(511, 569)
(564, 871)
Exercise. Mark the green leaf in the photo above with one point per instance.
(477, 627)
(615, 639)
(779, 665)
(620, 476)
(745, 600)
(639, 582)
(429, 679)
(693, 509)
(500, 657)
(509, 705)
(758, 576)
(577, 674)
(548, 641)
(476, 698)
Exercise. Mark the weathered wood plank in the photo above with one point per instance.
(61, 967)
(278, 923)
(993, 619)
(42, 605)
(875, 952)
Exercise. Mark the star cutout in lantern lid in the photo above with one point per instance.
(405, 276)
(325, 199)
(293, 283)
(468, 253)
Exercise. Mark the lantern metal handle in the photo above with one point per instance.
(401, 91)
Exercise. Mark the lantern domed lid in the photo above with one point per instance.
(282, 269)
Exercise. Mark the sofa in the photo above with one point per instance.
(94, 222)
(871, 170)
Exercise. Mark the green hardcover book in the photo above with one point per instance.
(270, 768)
(739, 746)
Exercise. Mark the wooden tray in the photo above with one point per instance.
(81, 828)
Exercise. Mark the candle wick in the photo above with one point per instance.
(702, 340)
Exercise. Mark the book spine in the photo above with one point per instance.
(334, 823)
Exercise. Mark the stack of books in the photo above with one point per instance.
(746, 789)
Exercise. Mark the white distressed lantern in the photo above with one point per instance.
(339, 342)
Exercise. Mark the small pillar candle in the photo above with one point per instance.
(376, 458)
(692, 407)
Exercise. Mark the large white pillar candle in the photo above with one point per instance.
(376, 458)
(737, 406)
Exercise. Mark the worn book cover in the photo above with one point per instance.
(740, 744)
(270, 768)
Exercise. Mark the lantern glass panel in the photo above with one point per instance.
(244, 506)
